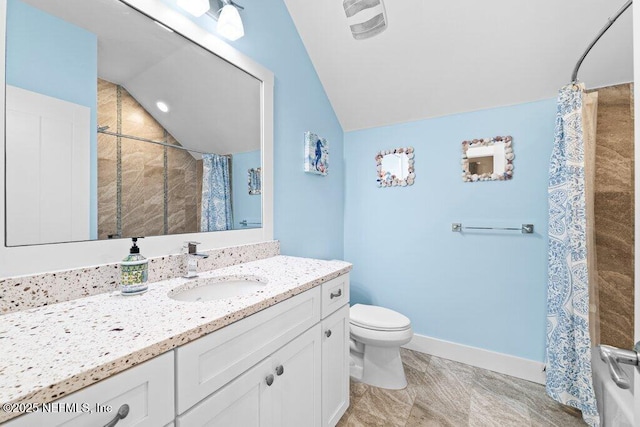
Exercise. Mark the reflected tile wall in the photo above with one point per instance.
(158, 192)
(153, 188)
(176, 188)
(132, 190)
(181, 200)
(107, 186)
(614, 214)
(107, 161)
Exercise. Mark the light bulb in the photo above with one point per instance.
(162, 106)
(229, 23)
(195, 7)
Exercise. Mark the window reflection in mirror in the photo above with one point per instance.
(395, 167)
(113, 127)
(488, 159)
(481, 165)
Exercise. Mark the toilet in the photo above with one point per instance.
(376, 336)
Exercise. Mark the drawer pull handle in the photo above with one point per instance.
(279, 370)
(328, 333)
(269, 380)
(337, 294)
(122, 414)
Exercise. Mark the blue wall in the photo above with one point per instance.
(245, 205)
(308, 209)
(483, 289)
(52, 57)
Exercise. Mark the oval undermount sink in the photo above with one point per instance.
(214, 288)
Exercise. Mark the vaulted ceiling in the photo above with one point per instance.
(438, 58)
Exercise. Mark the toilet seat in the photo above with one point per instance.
(381, 338)
(378, 318)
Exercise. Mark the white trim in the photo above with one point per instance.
(518, 367)
(24, 260)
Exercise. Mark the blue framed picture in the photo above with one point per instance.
(316, 154)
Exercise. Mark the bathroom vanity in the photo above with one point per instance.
(273, 357)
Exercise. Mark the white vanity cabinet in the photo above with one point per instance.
(148, 389)
(287, 366)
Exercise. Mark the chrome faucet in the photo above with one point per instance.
(191, 251)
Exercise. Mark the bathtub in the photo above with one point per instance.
(615, 405)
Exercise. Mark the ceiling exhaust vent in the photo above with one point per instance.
(366, 18)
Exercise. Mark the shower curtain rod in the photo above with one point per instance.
(574, 75)
(137, 138)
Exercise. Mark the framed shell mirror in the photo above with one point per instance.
(395, 167)
(255, 181)
(488, 159)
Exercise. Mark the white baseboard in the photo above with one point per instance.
(518, 367)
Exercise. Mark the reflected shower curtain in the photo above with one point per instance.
(568, 356)
(216, 194)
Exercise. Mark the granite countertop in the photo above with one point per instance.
(52, 351)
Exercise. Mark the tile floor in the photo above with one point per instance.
(446, 393)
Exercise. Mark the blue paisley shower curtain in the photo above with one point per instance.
(216, 194)
(568, 341)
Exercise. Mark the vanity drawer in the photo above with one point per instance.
(335, 294)
(148, 389)
(205, 365)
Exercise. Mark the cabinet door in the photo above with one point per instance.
(297, 385)
(245, 401)
(335, 366)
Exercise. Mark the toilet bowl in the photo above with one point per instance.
(376, 336)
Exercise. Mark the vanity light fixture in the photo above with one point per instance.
(226, 12)
(195, 7)
(229, 21)
(162, 106)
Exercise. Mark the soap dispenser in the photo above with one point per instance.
(134, 271)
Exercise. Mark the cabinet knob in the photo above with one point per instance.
(328, 333)
(336, 294)
(269, 379)
(279, 370)
(122, 414)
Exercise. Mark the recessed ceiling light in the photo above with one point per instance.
(162, 106)
(164, 27)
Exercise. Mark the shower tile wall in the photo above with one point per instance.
(614, 214)
(158, 188)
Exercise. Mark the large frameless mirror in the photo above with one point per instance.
(116, 126)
